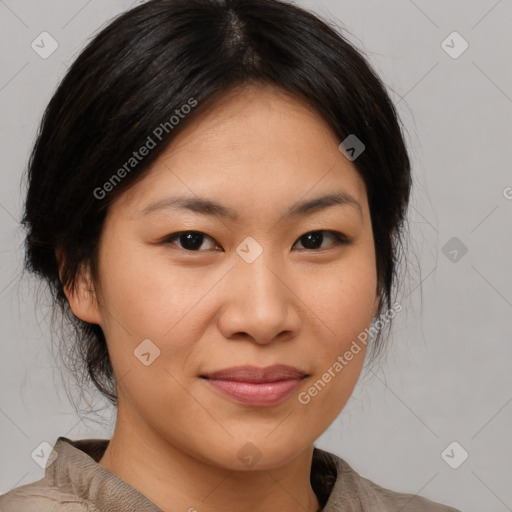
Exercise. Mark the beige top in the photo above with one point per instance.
(75, 482)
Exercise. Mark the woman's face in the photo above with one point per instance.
(247, 288)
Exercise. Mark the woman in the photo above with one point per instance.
(216, 199)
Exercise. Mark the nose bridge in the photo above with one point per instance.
(261, 288)
(260, 304)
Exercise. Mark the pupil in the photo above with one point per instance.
(315, 237)
(191, 240)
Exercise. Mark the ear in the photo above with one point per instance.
(83, 301)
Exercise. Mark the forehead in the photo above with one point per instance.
(255, 145)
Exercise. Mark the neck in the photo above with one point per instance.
(174, 480)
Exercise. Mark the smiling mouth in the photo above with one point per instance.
(256, 387)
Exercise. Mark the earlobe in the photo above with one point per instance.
(82, 301)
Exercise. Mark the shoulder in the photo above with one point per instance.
(351, 491)
(41, 497)
(385, 499)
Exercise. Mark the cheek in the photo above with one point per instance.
(142, 301)
(343, 297)
(143, 306)
(148, 294)
(342, 303)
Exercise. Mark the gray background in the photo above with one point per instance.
(447, 376)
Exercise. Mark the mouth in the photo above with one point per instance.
(256, 387)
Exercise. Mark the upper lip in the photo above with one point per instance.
(255, 374)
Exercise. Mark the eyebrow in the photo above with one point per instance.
(206, 206)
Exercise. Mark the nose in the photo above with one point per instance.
(259, 304)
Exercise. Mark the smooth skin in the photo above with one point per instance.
(259, 151)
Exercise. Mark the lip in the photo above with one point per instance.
(256, 387)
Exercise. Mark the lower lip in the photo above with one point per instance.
(256, 394)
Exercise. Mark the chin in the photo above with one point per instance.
(256, 455)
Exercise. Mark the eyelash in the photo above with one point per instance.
(339, 238)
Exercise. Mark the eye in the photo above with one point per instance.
(193, 240)
(312, 239)
(189, 240)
